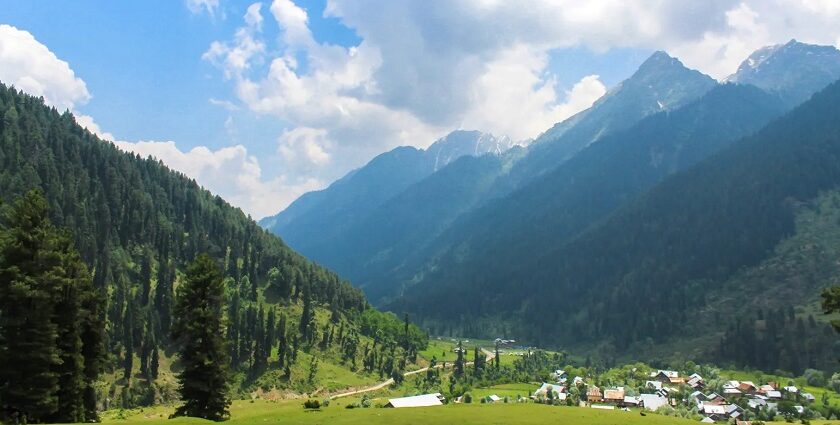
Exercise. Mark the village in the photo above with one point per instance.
(666, 392)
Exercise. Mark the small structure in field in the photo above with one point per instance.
(424, 400)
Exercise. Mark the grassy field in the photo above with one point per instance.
(441, 349)
(291, 412)
(509, 390)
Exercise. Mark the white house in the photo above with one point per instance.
(652, 401)
(424, 400)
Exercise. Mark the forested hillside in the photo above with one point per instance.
(642, 272)
(136, 224)
(561, 204)
(375, 221)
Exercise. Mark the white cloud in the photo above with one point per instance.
(32, 67)
(87, 122)
(211, 7)
(434, 66)
(229, 172)
(511, 97)
(750, 25)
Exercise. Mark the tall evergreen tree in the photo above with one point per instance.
(48, 308)
(199, 329)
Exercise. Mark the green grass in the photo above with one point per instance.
(441, 349)
(291, 412)
(509, 390)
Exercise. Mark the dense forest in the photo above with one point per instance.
(136, 225)
(585, 189)
(642, 272)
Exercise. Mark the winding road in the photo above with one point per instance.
(489, 355)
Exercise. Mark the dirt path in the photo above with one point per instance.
(390, 381)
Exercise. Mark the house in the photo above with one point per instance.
(791, 389)
(652, 401)
(697, 397)
(542, 391)
(707, 420)
(747, 387)
(424, 400)
(654, 385)
(764, 389)
(630, 401)
(593, 394)
(756, 403)
(715, 411)
(614, 395)
(715, 398)
(695, 381)
(492, 398)
(774, 395)
(577, 381)
(668, 377)
(731, 388)
(559, 376)
(809, 397)
(734, 411)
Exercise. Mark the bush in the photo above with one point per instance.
(467, 398)
(311, 404)
(366, 401)
(326, 402)
(814, 377)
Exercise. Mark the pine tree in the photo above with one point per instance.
(154, 363)
(459, 363)
(200, 331)
(48, 308)
(307, 315)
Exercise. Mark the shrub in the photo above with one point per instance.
(467, 398)
(814, 377)
(311, 404)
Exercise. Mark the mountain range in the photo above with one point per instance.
(531, 232)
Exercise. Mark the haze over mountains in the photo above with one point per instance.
(496, 225)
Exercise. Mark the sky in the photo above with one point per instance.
(261, 102)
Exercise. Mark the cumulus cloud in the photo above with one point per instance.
(511, 97)
(229, 172)
(87, 122)
(344, 104)
(32, 67)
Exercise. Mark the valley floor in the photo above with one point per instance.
(292, 412)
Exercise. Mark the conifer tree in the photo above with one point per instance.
(48, 306)
(459, 363)
(200, 332)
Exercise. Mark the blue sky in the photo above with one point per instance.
(263, 101)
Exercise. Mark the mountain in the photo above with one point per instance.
(314, 222)
(662, 83)
(655, 271)
(793, 71)
(137, 224)
(403, 225)
(559, 205)
(367, 234)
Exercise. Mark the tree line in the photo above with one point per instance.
(134, 226)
